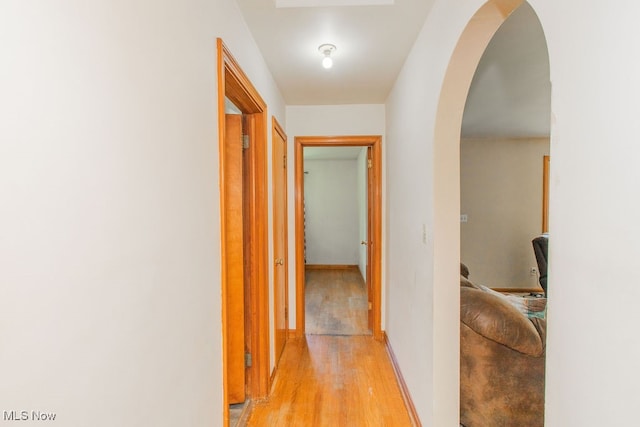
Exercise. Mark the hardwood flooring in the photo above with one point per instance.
(333, 381)
(335, 302)
(337, 375)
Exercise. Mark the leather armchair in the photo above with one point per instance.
(502, 362)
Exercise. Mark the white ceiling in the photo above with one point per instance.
(510, 94)
(372, 43)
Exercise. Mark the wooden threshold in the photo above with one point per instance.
(330, 267)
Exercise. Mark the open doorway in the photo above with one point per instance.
(336, 240)
(504, 139)
(368, 260)
(244, 250)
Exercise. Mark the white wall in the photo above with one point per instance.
(331, 212)
(424, 341)
(592, 377)
(328, 120)
(110, 307)
(339, 120)
(592, 349)
(501, 195)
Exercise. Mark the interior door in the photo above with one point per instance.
(280, 292)
(234, 258)
(370, 234)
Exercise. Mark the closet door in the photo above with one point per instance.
(280, 292)
(234, 259)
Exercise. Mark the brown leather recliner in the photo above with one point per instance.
(502, 362)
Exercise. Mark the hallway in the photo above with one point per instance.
(336, 375)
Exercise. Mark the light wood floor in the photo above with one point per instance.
(333, 381)
(336, 375)
(335, 302)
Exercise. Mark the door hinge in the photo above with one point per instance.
(286, 313)
(284, 161)
(369, 163)
(247, 360)
(245, 141)
(370, 306)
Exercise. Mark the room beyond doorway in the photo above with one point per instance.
(335, 301)
(373, 243)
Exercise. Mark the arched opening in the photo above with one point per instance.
(503, 144)
(453, 97)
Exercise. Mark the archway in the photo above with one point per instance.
(503, 142)
(459, 75)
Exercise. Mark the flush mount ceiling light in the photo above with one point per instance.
(327, 49)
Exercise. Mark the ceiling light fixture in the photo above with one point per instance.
(327, 49)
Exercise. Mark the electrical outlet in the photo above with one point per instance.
(464, 218)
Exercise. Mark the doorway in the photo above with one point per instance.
(446, 201)
(244, 249)
(374, 224)
(336, 240)
(504, 138)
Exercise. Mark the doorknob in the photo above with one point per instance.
(279, 261)
(364, 242)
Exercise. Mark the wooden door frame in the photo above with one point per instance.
(234, 84)
(375, 142)
(545, 193)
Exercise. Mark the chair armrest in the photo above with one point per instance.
(496, 319)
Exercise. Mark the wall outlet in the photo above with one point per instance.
(464, 218)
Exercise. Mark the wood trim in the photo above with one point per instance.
(234, 84)
(259, 296)
(545, 193)
(375, 142)
(238, 87)
(404, 390)
(330, 267)
(223, 249)
(299, 236)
